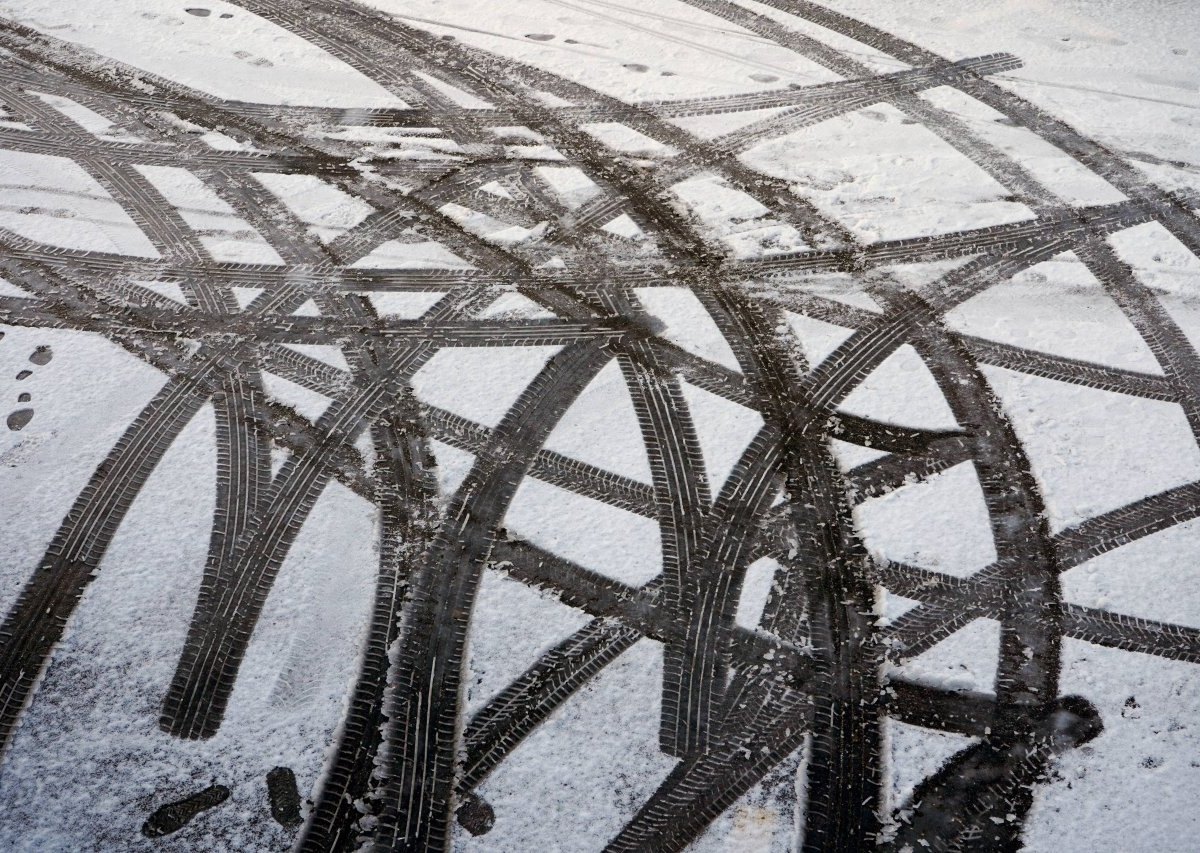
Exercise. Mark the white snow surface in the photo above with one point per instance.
(89, 762)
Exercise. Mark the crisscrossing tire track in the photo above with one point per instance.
(737, 703)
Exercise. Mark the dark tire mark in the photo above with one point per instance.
(284, 797)
(736, 702)
(175, 816)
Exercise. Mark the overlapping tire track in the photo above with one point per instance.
(815, 672)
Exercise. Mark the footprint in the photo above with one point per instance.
(174, 816)
(41, 356)
(539, 36)
(226, 14)
(764, 78)
(19, 419)
(24, 374)
(199, 13)
(284, 796)
(24, 398)
(636, 66)
(476, 816)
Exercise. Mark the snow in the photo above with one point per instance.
(82, 401)
(404, 304)
(964, 661)
(581, 794)
(601, 428)
(687, 323)
(1076, 440)
(330, 211)
(940, 524)
(1142, 579)
(916, 754)
(884, 177)
(1056, 307)
(53, 200)
(512, 625)
(306, 402)
(259, 61)
(724, 429)
(901, 391)
(89, 761)
(479, 383)
(596, 536)
(817, 338)
(1138, 779)
(756, 589)
(225, 235)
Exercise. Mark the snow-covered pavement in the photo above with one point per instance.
(581, 425)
